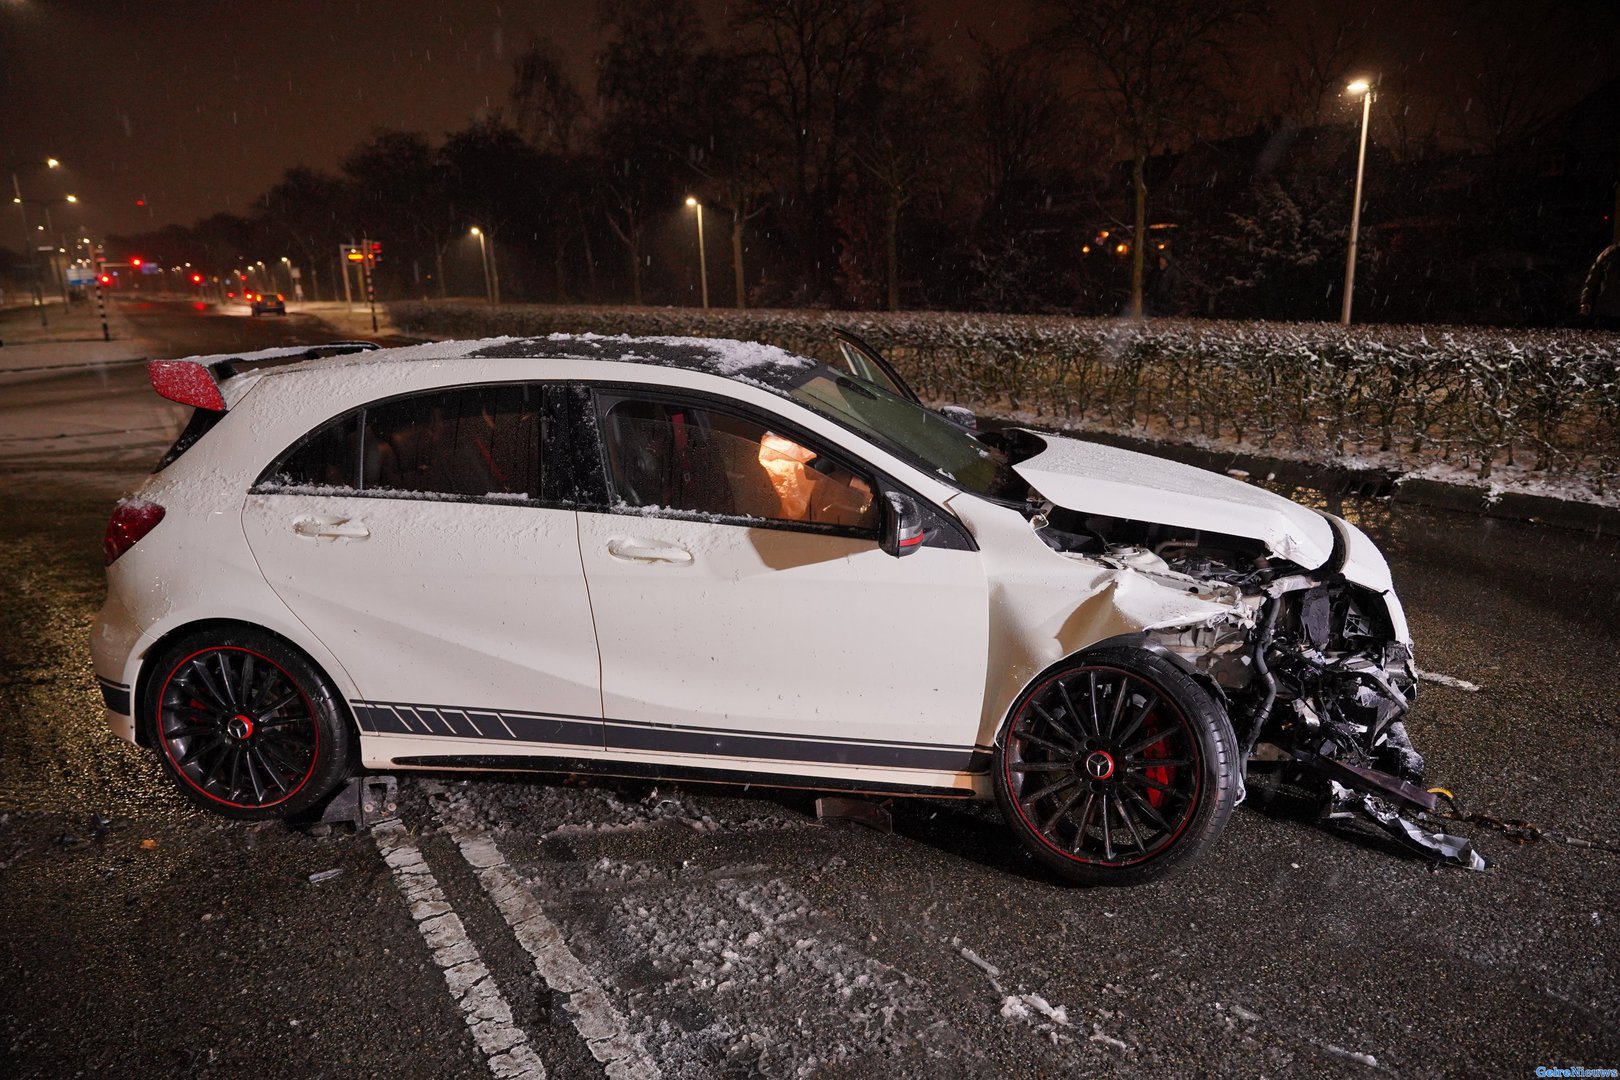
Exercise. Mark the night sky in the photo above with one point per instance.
(199, 107)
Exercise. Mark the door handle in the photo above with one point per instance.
(330, 528)
(648, 551)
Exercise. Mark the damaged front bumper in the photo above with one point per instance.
(1322, 679)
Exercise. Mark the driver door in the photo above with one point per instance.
(744, 608)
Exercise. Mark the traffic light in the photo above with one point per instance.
(135, 261)
(196, 279)
(106, 279)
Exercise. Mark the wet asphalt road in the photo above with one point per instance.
(734, 935)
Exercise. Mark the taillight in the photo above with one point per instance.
(131, 520)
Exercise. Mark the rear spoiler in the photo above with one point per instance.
(197, 382)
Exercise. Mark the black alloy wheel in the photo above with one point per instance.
(1116, 767)
(245, 725)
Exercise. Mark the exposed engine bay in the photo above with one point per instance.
(1314, 676)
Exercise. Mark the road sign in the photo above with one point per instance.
(81, 275)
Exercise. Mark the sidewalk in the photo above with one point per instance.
(349, 320)
(71, 339)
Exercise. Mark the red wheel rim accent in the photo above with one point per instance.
(1102, 767)
(238, 730)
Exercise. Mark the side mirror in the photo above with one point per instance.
(961, 416)
(902, 525)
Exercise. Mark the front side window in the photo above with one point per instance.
(910, 431)
(677, 457)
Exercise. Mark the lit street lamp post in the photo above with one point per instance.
(483, 260)
(52, 238)
(28, 234)
(1362, 87)
(703, 260)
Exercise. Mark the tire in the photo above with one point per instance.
(1074, 774)
(283, 751)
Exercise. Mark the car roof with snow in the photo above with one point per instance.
(748, 361)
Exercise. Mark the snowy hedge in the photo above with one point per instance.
(1531, 403)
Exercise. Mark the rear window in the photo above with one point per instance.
(201, 423)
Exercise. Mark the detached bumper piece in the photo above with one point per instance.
(363, 802)
(1359, 793)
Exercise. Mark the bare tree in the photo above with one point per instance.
(733, 153)
(1156, 65)
(551, 113)
(1026, 126)
(546, 105)
(903, 145)
(1321, 45)
(644, 84)
(809, 60)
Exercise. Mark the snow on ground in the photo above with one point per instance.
(719, 965)
(603, 809)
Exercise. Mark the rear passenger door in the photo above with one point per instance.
(429, 542)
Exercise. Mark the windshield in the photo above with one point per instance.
(910, 431)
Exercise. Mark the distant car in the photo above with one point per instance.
(710, 560)
(267, 303)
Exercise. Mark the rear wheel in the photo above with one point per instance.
(1115, 767)
(245, 725)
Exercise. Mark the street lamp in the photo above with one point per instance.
(52, 241)
(1364, 88)
(28, 234)
(51, 235)
(483, 260)
(703, 261)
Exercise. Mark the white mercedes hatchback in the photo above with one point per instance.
(710, 560)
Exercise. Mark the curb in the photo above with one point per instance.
(1337, 481)
(1514, 506)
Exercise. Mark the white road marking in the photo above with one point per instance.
(504, 1044)
(598, 1022)
(1450, 680)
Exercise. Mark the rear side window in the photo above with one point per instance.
(327, 458)
(467, 442)
(478, 441)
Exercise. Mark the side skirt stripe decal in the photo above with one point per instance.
(383, 718)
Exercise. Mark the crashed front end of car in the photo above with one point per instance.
(1313, 659)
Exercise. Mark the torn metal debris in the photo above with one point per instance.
(1314, 666)
(871, 813)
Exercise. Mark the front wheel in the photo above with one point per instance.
(1115, 767)
(245, 725)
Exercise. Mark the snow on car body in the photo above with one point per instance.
(718, 561)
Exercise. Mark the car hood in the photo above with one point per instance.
(1094, 479)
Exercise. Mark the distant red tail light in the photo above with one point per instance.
(131, 520)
